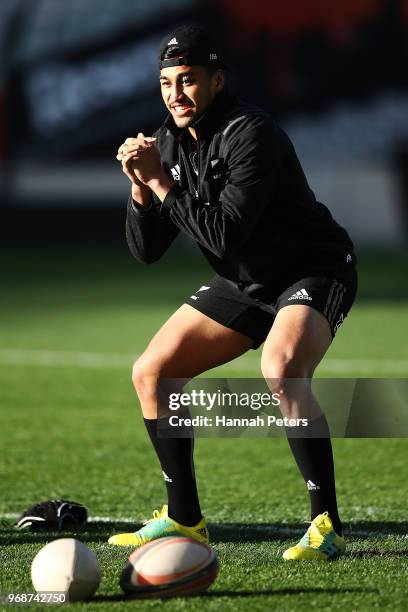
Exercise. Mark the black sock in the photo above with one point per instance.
(176, 460)
(314, 457)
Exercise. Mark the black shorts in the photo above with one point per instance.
(223, 302)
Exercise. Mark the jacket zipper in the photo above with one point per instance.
(198, 168)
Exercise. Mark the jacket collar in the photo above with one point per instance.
(209, 121)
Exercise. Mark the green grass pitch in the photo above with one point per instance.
(71, 323)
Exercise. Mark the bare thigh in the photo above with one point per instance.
(188, 344)
(297, 342)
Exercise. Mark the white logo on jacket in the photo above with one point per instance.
(176, 172)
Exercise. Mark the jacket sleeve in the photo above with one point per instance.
(149, 233)
(222, 227)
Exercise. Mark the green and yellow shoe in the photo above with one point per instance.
(319, 542)
(161, 526)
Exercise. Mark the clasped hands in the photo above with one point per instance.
(140, 159)
(142, 165)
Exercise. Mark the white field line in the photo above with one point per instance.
(82, 359)
(79, 359)
(263, 529)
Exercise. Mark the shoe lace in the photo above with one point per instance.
(313, 533)
(156, 515)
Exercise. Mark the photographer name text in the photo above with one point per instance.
(224, 421)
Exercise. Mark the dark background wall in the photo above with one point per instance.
(78, 77)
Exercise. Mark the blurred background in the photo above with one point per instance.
(78, 77)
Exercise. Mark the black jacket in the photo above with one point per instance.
(249, 209)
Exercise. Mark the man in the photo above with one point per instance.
(226, 175)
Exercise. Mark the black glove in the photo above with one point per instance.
(55, 515)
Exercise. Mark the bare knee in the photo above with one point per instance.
(285, 366)
(153, 385)
(145, 375)
(291, 381)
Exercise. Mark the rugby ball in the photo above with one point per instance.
(169, 567)
(66, 566)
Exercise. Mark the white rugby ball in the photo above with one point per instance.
(169, 567)
(66, 566)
